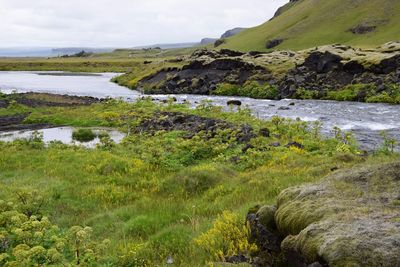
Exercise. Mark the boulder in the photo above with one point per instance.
(265, 132)
(349, 219)
(323, 62)
(362, 29)
(234, 103)
(273, 43)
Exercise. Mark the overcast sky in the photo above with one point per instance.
(124, 23)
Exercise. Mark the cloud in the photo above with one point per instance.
(125, 23)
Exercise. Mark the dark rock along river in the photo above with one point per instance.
(365, 120)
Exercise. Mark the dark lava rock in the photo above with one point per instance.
(12, 119)
(283, 108)
(234, 103)
(387, 66)
(48, 100)
(230, 53)
(247, 147)
(323, 62)
(275, 144)
(245, 134)
(265, 132)
(353, 67)
(15, 123)
(363, 29)
(192, 124)
(273, 43)
(264, 234)
(255, 53)
(294, 144)
(202, 76)
(237, 259)
(324, 71)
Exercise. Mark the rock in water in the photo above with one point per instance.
(234, 103)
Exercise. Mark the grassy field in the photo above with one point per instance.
(311, 23)
(158, 195)
(123, 60)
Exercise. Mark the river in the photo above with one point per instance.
(365, 120)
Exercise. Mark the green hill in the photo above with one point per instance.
(303, 24)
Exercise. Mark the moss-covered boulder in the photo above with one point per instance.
(351, 218)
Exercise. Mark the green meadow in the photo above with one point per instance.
(156, 195)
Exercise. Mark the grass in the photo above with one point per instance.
(153, 195)
(123, 60)
(311, 23)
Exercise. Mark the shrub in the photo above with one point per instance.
(352, 92)
(198, 179)
(33, 241)
(304, 94)
(249, 89)
(227, 237)
(391, 95)
(227, 89)
(83, 135)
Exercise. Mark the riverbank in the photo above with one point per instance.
(331, 72)
(190, 157)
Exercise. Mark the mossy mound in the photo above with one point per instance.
(352, 218)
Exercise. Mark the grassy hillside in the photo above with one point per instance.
(309, 23)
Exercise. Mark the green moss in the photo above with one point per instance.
(266, 216)
(330, 221)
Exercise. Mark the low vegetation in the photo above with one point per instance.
(355, 92)
(83, 135)
(249, 89)
(157, 195)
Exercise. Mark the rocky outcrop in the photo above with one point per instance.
(205, 71)
(48, 100)
(325, 71)
(232, 32)
(273, 43)
(192, 125)
(351, 218)
(316, 72)
(363, 29)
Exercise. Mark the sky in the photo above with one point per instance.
(124, 23)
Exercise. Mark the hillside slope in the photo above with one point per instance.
(306, 23)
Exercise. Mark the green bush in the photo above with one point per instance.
(35, 241)
(83, 135)
(302, 93)
(198, 179)
(349, 93)
(391, 95)
(250, 89)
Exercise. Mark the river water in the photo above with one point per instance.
(61, 134)
(365, 120)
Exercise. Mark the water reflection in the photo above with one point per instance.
(61, 134)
